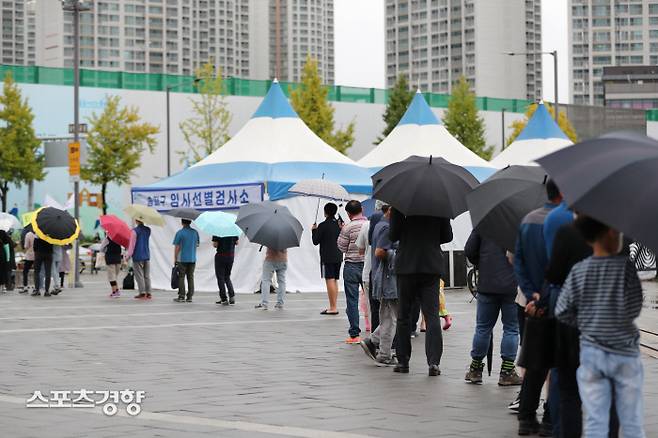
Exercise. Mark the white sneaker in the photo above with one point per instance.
(260, 306)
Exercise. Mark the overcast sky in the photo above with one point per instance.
(359, 43)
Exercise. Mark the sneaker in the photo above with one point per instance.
(528, 427)
(56, 292)
(353, 340)
(370, 348)
(36, 293)
(179, 300)
(115, 294)
(189, 300)
(514, 406)
(46, 294)
(148, 296)
(474, 374)
(260, 306)
(401, 368)
(382, 362)
(414, 335)
(223, 302)
(24, 290)
(434, 370)
(231, 300)
(278, 306)
(140, 296)
(509, 378)
(546, 429)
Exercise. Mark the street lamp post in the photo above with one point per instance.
(502, 128)
(76, 6)
(555, 79)
(168, 89)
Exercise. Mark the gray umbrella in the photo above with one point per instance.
(270, 225)
(424, 186)
(613, 178)
(183, 213)
(499, 204)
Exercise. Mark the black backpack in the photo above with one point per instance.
(129, 280)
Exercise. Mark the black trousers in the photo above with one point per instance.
(533, 381)
(374, 307)
(424, 287)
(47, 261)
(223, 267)
(415, 315)
(27, 265)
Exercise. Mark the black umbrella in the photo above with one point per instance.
(270, 225)
(55, 226)
(613, 178)
(183, 213)
(498, 205)
(422, 186)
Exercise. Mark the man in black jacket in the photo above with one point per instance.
(326, 235)
(419, 268)
(496, 294)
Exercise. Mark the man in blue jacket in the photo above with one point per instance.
(530, 262)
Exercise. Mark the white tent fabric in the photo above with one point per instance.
(540, 137)
(276, 148)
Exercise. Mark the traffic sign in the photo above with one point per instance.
(74, 161)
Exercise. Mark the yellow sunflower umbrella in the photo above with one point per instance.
(55, 226)
(147, 215)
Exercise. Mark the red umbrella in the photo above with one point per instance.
(116, 229)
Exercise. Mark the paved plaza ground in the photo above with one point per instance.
(211, 371)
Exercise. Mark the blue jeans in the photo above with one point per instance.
(266, 281)
(600, 373)
(488, 308)
(352, 278)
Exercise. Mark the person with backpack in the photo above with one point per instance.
(112, 251)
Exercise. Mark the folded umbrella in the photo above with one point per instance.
(218, 223)
(9, 222)
(270, 225)
(613, 178)
(424, 186)
(55, 226)
(116, 229)
(500, 203)
(183, 213)
(145, 214)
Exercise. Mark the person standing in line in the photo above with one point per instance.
(496, 293)
(369, 255)
(326, 235)
(112, 251)
(602, 297)
(379, 345)
(223, 265)
(28, 258)
(57, 260)
(366, 275)
(138, 250)
(275, 261)
(65, 266)
(530, 262)
(43, 257)
(419, 269)
(186, 241)
(353, 270)
(6, 261)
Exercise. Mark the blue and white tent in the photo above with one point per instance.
(540, 137)
(420, 132)
(272, 151)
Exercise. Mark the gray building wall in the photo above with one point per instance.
(18, 32)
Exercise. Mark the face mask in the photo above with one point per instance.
(620, 245)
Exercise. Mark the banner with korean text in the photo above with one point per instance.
(228, 197)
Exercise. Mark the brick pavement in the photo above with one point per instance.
(238, 372)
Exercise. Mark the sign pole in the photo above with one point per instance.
(76, 135)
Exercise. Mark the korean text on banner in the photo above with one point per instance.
(227, 197)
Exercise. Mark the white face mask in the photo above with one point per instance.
(620, 245)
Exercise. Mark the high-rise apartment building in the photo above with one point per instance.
(18, 33)
(605, 33)
(177, 36)
(434, 42)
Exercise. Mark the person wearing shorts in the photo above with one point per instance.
(113, 259)
(326, 235)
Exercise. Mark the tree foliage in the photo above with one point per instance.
(117, 139)
(207, 130)
(20, 158)
(563, 122)
(399, 98)
(463, 121)
(310, 102)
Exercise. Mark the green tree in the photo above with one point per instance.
(399, 98)
(117, 139)
(207, 130)
(310, 102)
(463, 121)
(563, 122)
(20, 159)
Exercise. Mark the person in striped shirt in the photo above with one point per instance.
(602, 297)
